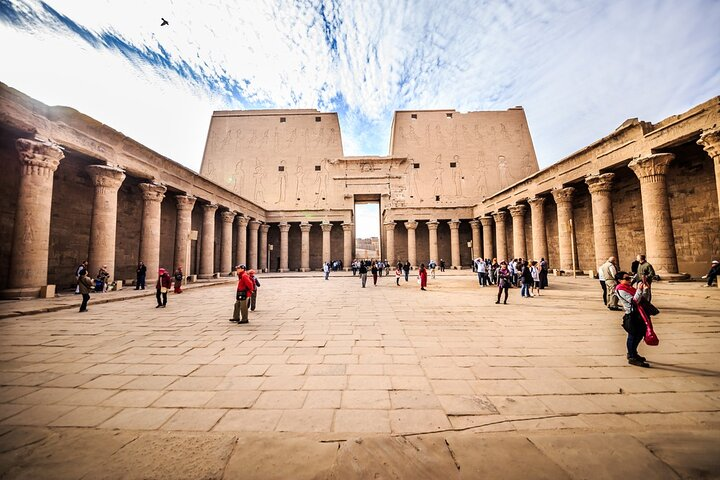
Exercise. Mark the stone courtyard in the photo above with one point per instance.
(333, 381)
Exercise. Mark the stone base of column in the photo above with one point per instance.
(206, 276)
(305, 269)
(283, 270)
(456, 267)
(672, 277)
(20, 293)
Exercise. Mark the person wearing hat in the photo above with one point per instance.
(161, 287)
(713, 273)
(245, 288)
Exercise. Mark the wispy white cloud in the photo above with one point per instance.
(579, 68)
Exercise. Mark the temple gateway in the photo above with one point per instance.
(276, 192)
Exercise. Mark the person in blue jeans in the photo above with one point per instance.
(526, 279)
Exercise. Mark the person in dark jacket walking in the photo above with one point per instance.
(374, 270)
(140, 273)
(503, 281)
(163, 284)
(406, 269)
(362, 269)
(178, 276)
(85, 286)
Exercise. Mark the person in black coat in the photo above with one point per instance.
(406, 269)
(141, 274)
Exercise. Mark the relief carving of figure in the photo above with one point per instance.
(413, 136)
(402, 139)
(503, 170)
(239, 177)
(437, 182)
(321, 182)
(440, 136)
(29, 233)
(332, 138)
(457, 176)
(411, 179)
(290, 140)
(299, 178)
(259, 189)
(264, 139)
(481, 187)
(526, 166)
(282, 175)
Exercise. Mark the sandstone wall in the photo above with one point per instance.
(9, 188)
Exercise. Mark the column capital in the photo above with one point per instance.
(536, 202)
(210, 207)
(104, 176)
(326, 226)
(411, 225)
(264, 228)
(227, 217)
(563, 195)
(601, 183)
(152, 192)
(347, 227)
(185, 202)
(652, 167)
(389, 226)
(475, 224)
(486, 220)
(305, 226)
(500, 216)
(710, 141)
(433, 224)
(242, 221)
(38, 157)
(517, 210)
(284, 226)
(254, 224)
(454, 224)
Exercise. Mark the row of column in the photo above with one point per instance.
(305, 244)
(411, 227)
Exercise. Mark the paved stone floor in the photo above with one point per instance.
(330, 380)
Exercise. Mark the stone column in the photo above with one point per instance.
(107, 181)
(486, 222)
(390, 242)
(501, 235)
(207, 243)
(537, 218)
(305, 246)
(517, 212)
(284, 229)
(153, 195)
(563, 199)
(412, 247)
(603, 221)
(31, 233)
(185, 204)
(432, 226)
(475, 226)
(326, 228)
(241, 232)
(253, 226)
(262, 263)
(710, 141)
(455, 244)
(347, 245)
(226, 266)
(659, 238)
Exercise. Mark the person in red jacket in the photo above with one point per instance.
(161, 287)
(244, 291)
(422, 273)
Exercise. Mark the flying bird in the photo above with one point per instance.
(164, 22)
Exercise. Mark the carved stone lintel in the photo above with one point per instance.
(326, 226)
(651, 168)
(517, 210)
(710, 141)
(563, 195)
(433, 224)
(411, 225)
(284, 226)
(305, 227)
(38, 158)
(106, 177)
(185, 202)
(227, 217)
(536, 202)
(600, 183)
(152, 192)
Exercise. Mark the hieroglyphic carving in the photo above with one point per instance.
(411, 179)
(457, 176)
(482, 185)
(438, 171)
(239, 177)
(259, 194)
(282, 177)
(503, 171)
(299, 178)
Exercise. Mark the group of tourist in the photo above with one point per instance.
(528, 275)
(245, 294)
(382, 266)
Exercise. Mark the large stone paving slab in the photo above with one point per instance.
(331, 359)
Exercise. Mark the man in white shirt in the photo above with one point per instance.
(607, 271)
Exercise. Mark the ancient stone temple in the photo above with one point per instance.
(276, 192)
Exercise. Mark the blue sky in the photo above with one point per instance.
(579, 68)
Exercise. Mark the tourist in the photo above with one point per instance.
(543, 273)
(422, 275)
(244, 291)
(398, 273)
(374, 270)
(80, 272)
(525, 279)
(607, 273)
(494, 267)
(140, 273)
(161, 288)
(362, 270)
(442, 265)
(513, 273)
(354, 267)
(326, 269)
(481, 269)
(102, 279)
(645, 274)
(503, 281)
(85, 285)
(256, 285)
(712, 273)
(387, 267)
(179, 277)
(406, 269)
(432, 265)
(535, 274)
(632, 320)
